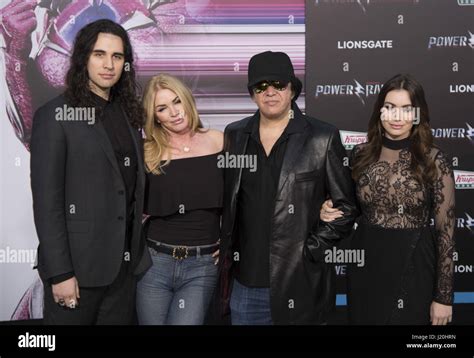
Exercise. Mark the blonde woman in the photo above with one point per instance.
(184, 200)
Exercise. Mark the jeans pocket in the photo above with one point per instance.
(205, 259)
(152, 251)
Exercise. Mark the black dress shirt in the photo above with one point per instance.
(256, 204)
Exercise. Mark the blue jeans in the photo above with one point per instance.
(176, 292)
(250, 306)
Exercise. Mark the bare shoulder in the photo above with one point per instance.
(217, 138)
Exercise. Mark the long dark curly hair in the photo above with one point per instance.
(421, 138)
(126, 90)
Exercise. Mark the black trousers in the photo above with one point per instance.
(107, 305)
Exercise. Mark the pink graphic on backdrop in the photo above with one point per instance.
(208, 43)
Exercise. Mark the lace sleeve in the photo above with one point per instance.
(444, 216)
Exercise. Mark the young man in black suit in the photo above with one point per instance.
(87, 180)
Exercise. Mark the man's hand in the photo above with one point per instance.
(215, 254)
(66, 293)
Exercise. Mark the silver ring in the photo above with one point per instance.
(61, 302)
(72, 304)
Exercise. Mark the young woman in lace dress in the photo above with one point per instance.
(402, 181)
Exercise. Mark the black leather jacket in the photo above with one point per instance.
(302, 284)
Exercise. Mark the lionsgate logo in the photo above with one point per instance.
(451, 41)
(463, 179)
(350, 139)
(348, 89)
(75, 114)
(454, 132)
(364, 44)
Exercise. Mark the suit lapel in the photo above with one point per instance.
(296, 141)
(138, 145)
(99, 130)
(241, 141)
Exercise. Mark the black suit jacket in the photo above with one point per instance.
(302, 285)
(79, 200)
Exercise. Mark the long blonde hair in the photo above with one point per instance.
(156, 144)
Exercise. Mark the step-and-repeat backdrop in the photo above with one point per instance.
(208, 43)
(353, 47)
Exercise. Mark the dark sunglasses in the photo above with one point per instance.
(262, 86)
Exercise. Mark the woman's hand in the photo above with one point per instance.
(328, 213)
(216, 253)
(440, 314)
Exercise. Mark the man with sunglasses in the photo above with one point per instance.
(273, 244)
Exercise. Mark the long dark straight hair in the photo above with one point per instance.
(126, 90)
(421, 138)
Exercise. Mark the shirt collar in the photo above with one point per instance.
(295, 125)
(102, 101)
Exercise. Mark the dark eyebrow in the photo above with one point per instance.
(176, 99)
(103, 52)
(405, 105)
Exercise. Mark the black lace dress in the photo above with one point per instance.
(408, 263)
